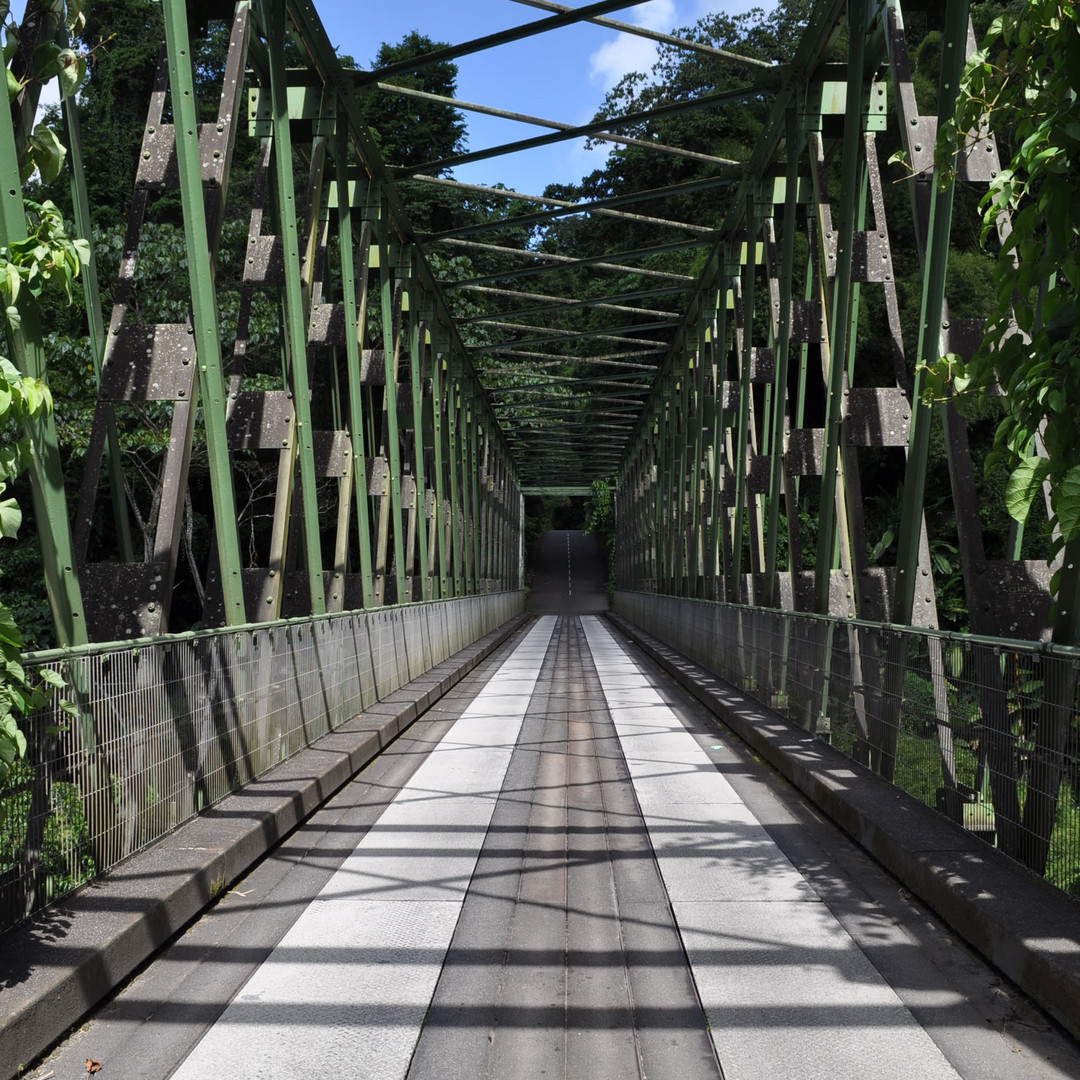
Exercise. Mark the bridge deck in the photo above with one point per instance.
(564, 870)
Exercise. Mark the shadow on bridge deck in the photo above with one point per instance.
(563, 867)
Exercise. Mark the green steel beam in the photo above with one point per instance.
(605, 207)
(354, 297)
(489, 41)
(953, 51)
(603, 303)
(272, 18)
(793, 140)
(599, 262)
(211, 379)
(768, 80)
(841, 307)
(601, 136)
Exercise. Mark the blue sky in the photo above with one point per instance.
(562, 75)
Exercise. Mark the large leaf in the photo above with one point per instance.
(10, 518)
(1066, 500)
(1024, 485)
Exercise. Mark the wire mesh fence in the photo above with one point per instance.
(159, 730)
(986, 731)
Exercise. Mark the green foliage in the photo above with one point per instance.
(600, 521)
(1024, 84)
(46, 259)
(65, 860)
(411, 131)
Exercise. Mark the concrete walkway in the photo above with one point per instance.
(562, 870)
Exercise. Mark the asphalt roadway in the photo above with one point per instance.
(568, 574)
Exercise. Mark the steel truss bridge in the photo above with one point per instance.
(400, 451)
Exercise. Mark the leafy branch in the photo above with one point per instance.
(46, 259)
(1021, 83)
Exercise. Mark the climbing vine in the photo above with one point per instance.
(600, 521)
(46, 258)
(1025, 82)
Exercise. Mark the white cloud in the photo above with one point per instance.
(628, 52)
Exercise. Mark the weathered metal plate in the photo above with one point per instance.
(332, 453)
(877, 416)
(871, 257)
(876, 593)
(805, 452)
(841, 597)
(1014, 599)
(806, 321)
(378, 476)
(122, 600)
(980, 163)
(762, 365)
(265, 261)
(158, 169)
(373, 367)
(149, 362)
(261, 420)
(758, 474)
(327, 325)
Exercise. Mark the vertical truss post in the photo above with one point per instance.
(439, 397)
(681, 488)
(745, 301)
(724, 418)
(418, 348)
(793, 142)
(210, 380)
(456, 456)
(392, 299)
(272, 17)
(472, 492)
(841, 307)
(696, 569)
(354, 297)
(953, 51)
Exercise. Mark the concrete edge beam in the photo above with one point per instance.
(61, 963)
(1023, 925)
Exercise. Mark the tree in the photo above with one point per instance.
(411, 131)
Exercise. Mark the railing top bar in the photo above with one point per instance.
(52, 656)
(1039, 648)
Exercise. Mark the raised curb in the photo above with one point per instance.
(57, 966)
(1026, 927)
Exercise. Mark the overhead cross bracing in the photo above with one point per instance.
(614, 302)
(484, 348)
